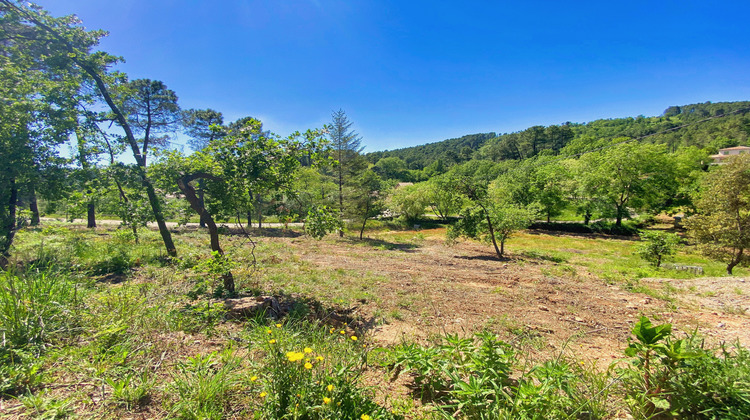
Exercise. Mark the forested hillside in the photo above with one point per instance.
(570, 138)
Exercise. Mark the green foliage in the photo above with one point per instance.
(722, 225)
(203, 386)
(310, 371)
(677, 378)
(657, 246)
(408, 202)
(471, 378)
(36, 306)
(321, 221)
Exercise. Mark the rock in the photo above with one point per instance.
(578, 319)
(248, 307)
(543, 308)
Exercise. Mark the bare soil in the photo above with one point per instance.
(464, 288)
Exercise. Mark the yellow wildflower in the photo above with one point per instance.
(365, 417)
(343, 332)
(326, 400)
(354, 338)
(308, 366)
(272, 341)
(308, 350)
(329, 388)
(278, 325)
(263, 395)
(319, 358)
(253, 379)
(269, 331)
(294, 356)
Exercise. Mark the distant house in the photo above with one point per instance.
(729, 151)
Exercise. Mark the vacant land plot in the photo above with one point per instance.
(139, 330)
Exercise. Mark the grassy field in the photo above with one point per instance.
(399, 325)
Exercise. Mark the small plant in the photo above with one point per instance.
(657, 246)
(131, 390)
(309, 371)
(678, 379)
(204, 385)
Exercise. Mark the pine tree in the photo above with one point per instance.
(346, 145)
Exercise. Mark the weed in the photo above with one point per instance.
(204, 385)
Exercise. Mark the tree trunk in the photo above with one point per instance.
(586, 217)
(202, 222)
(249, 219)
(619, 216)
(213, 230)
(34, 207)
(91, 215)
(498, 251)
(735, 261)
(548, 217)
(10, 225)
(341, 194)
(364, 222)
(166, 236)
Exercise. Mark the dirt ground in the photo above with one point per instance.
(434, 288)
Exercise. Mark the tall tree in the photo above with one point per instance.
(67, 39)
(38, 93)
(346, 145)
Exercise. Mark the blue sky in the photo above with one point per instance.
(415, 72)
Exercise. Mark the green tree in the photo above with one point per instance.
(628, 174)
(408, 201)
(657, 246)
(369, 196)
(721, 226)
(490, 215)
(39, 92)
(203, 126)
(66, 39)
(346, 146)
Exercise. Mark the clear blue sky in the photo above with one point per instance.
(415, 72)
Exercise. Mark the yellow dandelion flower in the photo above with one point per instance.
(308, 350)
(308, 366)
(263, 395)
(278, 325)
(343, 332)
(319, 358)
(354, 338)
(269, 331)
(253, 379)
(329, 388)
(326, 400)
(294, 356)
(272, 341)
(364, 417)
(332, 330)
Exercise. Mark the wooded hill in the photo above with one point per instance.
(571, 138)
